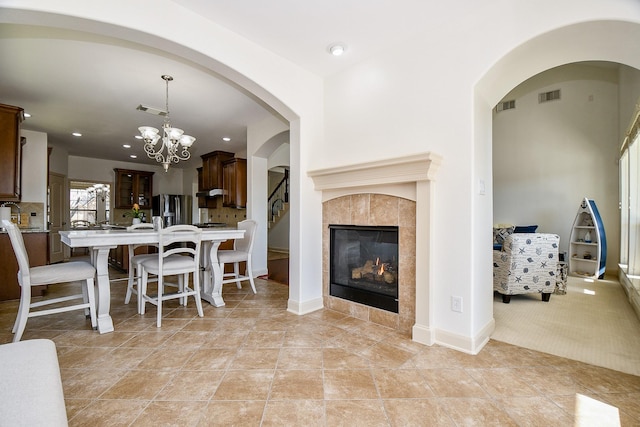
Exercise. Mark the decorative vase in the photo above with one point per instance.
(136, 221)
(587, 237)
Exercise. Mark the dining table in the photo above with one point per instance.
(100, 242)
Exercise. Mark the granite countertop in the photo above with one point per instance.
(27, 230)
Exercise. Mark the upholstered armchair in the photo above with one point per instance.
(527, 263)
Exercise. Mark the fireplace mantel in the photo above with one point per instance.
(411, 177)
(385, 176)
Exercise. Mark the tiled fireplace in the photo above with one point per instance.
(395, 192)
(367, 209)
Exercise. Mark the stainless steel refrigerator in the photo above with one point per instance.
(172, 208)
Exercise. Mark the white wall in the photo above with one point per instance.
(548, 157)
(629, 98)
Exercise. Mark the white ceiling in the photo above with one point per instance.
(71, 81)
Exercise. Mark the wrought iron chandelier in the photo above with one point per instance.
(173, 139)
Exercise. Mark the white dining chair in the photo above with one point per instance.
(178, 255)
(135, 274)
(28, 277)
(241, 252)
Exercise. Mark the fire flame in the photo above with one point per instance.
(381, 270)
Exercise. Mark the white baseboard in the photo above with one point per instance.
(423, 335)
(469, 345)
(305, 307)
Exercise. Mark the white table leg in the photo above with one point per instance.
(212, 275)
(100, 260)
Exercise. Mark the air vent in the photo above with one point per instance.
(151, 110)
(554, 95)
(506, 105)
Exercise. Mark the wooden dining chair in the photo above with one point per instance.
(75, 271)
(178, 255)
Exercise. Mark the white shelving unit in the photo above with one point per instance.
(588, 244)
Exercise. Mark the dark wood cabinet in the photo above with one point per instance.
(212, 168)
(37, 245)
(210, 175)
(11, 148)
(133, 187)
(234, 182)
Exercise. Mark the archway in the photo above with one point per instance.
(589, 41)
(229, 64)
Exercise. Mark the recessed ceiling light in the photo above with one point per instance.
(126, 145)
(76, 134)
(138, 136)
(337, 49)
(27, 115)
(133, 156)
(226, 139)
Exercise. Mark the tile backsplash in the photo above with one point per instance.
(32, 213)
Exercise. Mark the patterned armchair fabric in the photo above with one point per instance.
(527, 263)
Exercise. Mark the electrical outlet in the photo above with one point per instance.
(456, 304)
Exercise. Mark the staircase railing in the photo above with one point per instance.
(279, 196)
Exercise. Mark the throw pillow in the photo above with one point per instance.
(525, 228)
(500, 232)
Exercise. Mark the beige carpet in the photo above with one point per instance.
(592, 323)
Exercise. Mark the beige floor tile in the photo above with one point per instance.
(164, 358)
(233, 413)
(349, 384)
(191, 385)
(255, 358)
(306, 413)
(452, 383)
(356, 413)
(211, 358)
(502, 382)
(139, 385)
(482, 412)
(245, 385)
(323, 368)
(264, 339)
(120, 412)
(89, 383)
(417, 412)
(338, 358)
(297, 384)
(179, 413)
(401, 383)
(300, 358)
(524, 409)
(383, 355)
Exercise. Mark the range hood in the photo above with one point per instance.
(211, 193)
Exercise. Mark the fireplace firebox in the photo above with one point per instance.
(363, 265)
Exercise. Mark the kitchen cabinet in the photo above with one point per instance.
(133, 187)
(37, 247)
(210, 175)
(204, 202)
(11, 148)
(234, 182)
(212, 168)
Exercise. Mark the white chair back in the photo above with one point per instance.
(17, 242)
(246, 243)
(180, 234)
